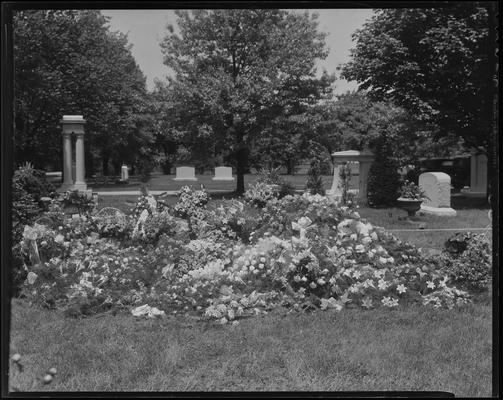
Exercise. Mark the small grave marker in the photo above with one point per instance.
(185, 174)
(223, 174)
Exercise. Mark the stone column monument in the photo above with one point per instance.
(67, 161)
(73, 124)
(340, 158)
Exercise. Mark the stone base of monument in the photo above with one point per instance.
(467, 192)
(438, 211)
(185, 179)
(222, 179)
(80, 186)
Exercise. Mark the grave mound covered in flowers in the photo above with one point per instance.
(225, 260)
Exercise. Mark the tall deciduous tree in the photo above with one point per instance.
(68, 62)
(237, 72)
(437, 63)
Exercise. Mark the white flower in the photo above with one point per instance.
(383, 260)
(320, 281)
(353, 236)
(367, 303)
(312, 285)
(430, 285)
(296, 278)
(363, 229)
(366, 240)
(401, 288)
(391, 260)
(347, 272)
(373, 236)
(368, 283)
(354, 289)
(382, 284)
(32, 277)
(357, 274)
(59, 238)
(359, 248)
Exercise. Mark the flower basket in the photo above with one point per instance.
(409, 205)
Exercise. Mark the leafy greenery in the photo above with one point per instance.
(384, 180)
(314, 182)
(443, 51)
(437, 63)
(470, 265)
(69, 62)
(237, 74)
(410, 190)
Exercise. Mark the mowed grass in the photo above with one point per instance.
(167, 182)
(385, 350)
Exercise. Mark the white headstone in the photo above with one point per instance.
(185, 174)
(124, 173)
(437, 186)
(223, 174)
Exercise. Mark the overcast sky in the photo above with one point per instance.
(146, 28)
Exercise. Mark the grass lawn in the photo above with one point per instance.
(403, 349)
(166, 182)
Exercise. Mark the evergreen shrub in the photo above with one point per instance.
(384, 180)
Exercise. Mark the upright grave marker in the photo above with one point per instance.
(223, 174)
(437, 186)
(185, 174)
(478, 177)
(340, 159)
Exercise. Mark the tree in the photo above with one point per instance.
(68, 62)
(437, 63)
(237, 72)
(384, 180)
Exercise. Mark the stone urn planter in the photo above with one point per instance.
(409, 205)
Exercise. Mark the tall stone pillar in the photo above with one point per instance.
(336, 189)
(340, 158)
(67, 161)
(73, 124)
(79, 162)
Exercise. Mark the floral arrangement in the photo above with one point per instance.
(189, 201)
(259, 193)
(409, 190)
(298, 252)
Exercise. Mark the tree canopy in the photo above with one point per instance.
(239, 75)
(433, 62)
(69, 62)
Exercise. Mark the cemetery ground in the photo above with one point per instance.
(406, 348)
(413, 348)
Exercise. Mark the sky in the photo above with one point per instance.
(146, 28)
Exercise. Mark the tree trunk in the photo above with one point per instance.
(241, 158)
(290, 167)
(105, 160)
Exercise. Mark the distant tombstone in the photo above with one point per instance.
(437, 186)
(185, 174)
(124, 173)
(223, 174)
(478, 177)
